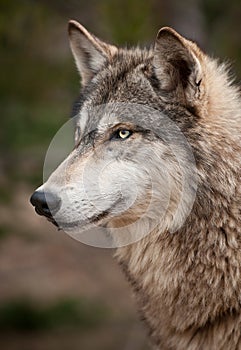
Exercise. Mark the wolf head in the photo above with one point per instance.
(132, 166)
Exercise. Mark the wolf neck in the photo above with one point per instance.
(184, 281)
(189, 279)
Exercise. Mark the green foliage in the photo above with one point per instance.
(23, 315)
(5, 194)
(222, 20)
(128, 21)
(4, 230)
(27, 126)
(36, 86)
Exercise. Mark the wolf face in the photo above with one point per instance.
(131, 163)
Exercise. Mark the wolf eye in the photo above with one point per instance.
(123, 134)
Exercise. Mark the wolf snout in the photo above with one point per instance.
(45, 203)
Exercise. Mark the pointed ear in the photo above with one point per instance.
(177, 65)
(89, 52)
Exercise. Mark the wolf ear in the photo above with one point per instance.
(89, 52)
(177, 65)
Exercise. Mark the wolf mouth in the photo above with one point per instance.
(94, 219)
(49, 217)
(86, 222)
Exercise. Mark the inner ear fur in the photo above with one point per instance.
(90, 53)
(176, 64)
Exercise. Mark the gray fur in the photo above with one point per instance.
(187, 283)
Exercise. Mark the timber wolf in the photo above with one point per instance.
(176, 200)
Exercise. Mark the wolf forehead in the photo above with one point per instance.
(125, 89)
(127, 76)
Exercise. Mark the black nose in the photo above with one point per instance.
(45, 203)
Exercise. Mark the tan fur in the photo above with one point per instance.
(188, 284)
(187, 280)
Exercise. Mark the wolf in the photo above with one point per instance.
(156, 163)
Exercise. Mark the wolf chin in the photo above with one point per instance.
(176, 200)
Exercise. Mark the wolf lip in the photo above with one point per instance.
(85, 222)
(48, 217)
(88, 221)
(53, 222)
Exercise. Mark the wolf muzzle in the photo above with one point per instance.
(46, 204)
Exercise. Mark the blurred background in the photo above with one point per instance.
(56, 293)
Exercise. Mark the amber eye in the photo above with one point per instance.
(124, 134)
(121, 134)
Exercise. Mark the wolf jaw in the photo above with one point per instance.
(187, 284)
